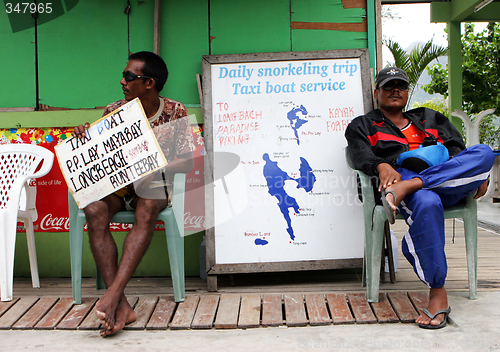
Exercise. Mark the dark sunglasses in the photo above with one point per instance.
(401, 85)
(129, 76)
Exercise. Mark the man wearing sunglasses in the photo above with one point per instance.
(375, 142)
(143, 77)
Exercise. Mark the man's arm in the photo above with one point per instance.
(360, 149)
(182, 164)
(387, 175)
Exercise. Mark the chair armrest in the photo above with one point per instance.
(48, 160)
(365, 182)
(368, 197)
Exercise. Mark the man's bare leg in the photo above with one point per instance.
(113, 305)
(438, 299)
(104, 248)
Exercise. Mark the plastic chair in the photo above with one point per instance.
(375, 219)
(172, 217)
(18, 163)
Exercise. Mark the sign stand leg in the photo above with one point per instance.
(212, 283)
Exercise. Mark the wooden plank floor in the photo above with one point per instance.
(255, 300)
(195, 313)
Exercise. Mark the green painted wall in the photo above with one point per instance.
(17, 56)
(80, 61)
(304, 40)
(53, 247)
(184, 39)
(330, 11)
(83, 52)
(67, 118)
(240, 26)
(52, 250)
(325, 11)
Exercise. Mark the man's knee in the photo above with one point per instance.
(97, 215)
(95, 210)
(483, 154)
(147, 210)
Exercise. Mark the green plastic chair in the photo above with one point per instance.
(375, 218)
(172, 217)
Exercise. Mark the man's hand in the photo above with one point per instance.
(79, 131)
(387, 175)
(481, 191)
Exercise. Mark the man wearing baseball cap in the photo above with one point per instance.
(377, 139)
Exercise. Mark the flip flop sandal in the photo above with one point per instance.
(446, 312)
(387, 206)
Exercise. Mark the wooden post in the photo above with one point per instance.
(157, 25)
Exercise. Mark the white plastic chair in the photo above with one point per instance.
(18, 163)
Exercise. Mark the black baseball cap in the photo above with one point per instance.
(390, 73)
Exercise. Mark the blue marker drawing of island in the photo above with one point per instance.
(276, 178)
(295, 121)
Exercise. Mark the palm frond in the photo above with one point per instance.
(415, 61)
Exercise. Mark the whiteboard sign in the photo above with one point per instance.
(118, 149)
(284, 115)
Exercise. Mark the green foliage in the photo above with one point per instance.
(489, 132)
(481, 78)
(480, 70)
(415, 61)
(489, 129)
(434, 104)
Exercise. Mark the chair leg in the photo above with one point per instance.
(374, 257)
(7, 249)
(99, 281)
(175, 243)
(30, 238)
(470, 227)
(363, 277)
(389, 253)
(76, 250)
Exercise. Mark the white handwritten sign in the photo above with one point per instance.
(118, 149)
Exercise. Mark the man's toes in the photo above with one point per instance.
(104, 332)
(437, 321)
(114, 330)
(100, 315)
(109, 323)
(423, 319)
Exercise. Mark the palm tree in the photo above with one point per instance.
(415, 61)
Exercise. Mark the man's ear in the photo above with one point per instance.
(150, 83)
(375, 94)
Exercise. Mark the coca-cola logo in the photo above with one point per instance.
(193, 221)
(50, 222)
(115, 226)
(54, 223)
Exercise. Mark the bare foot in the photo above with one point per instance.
(438, 299)
(401, 189)
(124, 315)
(106, 308)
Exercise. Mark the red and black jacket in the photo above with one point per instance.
(373, 139)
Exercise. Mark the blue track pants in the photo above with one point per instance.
(443, 186)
